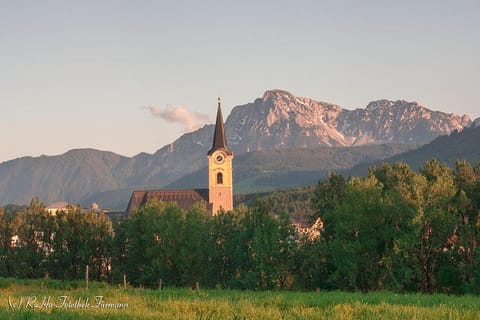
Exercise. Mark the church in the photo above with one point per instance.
(218, 196)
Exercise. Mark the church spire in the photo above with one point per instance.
(219, 138)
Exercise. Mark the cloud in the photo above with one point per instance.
(189, 120)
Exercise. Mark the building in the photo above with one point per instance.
(220, 173)
(218, 196)
(57, 207)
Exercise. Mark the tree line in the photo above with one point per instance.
(395, 229)
(35, 243)
(400, 230)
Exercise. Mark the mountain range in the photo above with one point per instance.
(282, 120)
(463, 145)
(274, 137)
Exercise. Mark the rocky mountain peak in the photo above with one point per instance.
(286, 105)
(282, 120)
(277, 94)
(398, 105)
(379, 104)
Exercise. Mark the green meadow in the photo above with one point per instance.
(52, 299)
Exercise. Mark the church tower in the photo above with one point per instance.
(220, 173)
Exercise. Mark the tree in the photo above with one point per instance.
(327, 196)
(165, 242)
(193, 256)
(359, 243)
(227, 249)
(5, 239)
(78, 238)
(119, 254)
(402, 195)
(140, 241)
(30, 254)
(467, 206)
(269, 239)
(438, 221)
(311, 264)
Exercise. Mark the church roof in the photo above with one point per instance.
(185, 199)
(219, 138)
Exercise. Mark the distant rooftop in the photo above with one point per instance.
(58, 205)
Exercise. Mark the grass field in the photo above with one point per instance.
(36, 299)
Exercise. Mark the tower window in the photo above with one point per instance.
(219, 178)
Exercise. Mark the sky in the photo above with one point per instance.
(132, 76)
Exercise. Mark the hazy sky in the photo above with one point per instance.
(115, 75)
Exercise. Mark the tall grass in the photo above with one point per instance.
(175, 303)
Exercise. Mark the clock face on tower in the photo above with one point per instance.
(219, 158)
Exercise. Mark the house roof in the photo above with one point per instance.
(58, 205)
(185, 199)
